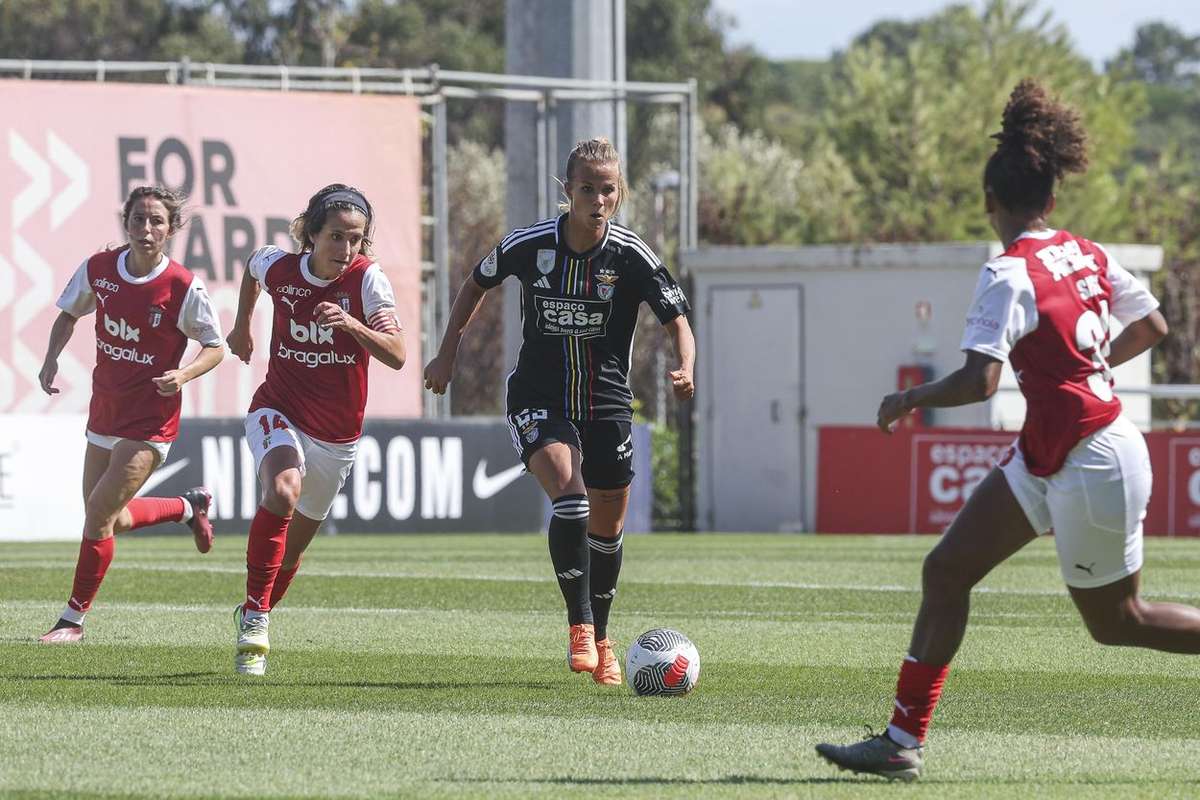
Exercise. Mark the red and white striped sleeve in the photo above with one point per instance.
(379, 301)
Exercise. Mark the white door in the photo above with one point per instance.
(754, 415)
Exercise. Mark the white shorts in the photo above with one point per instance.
(1095, 504)
(109, 442)
(323, 465)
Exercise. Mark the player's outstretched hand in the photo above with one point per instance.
(241, 343)
(46, 377)
(438, 374)
(331, 315)
(891, 410)
(170, 382)
(681, 383)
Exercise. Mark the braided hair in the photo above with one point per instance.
(1040, 142)
(334, 197)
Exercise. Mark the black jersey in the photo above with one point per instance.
(578, 313)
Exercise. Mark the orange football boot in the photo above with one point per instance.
(581, 648)
(608, 670)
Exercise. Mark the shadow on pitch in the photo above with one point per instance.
(727, 780)
(170, 679)
(224, 678)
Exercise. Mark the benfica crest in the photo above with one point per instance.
(605, 285)
(545, 261)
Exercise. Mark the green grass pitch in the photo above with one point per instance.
(433, 666)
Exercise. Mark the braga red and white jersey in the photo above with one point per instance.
(142, 327)
(317, 375)
(1045, 304)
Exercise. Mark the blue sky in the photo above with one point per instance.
(810, 29)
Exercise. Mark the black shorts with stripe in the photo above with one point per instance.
(606, 446)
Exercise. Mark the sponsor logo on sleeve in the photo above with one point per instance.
(672, 296)
(487, 267)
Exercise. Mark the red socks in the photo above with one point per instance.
(282, 581)
(917, 692)
(94, 557)
(152, 510)
(264, 555)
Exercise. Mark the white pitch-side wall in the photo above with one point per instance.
(859, 323)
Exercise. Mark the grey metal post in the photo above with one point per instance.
(619, 75)
(693, 164)
(441, 243)
(558, 38)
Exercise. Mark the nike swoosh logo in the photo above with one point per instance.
(486, 486)
(159, 476)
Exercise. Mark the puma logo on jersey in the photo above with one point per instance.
(121, 329)
(311, 333)
(101, 298)
(290, 303)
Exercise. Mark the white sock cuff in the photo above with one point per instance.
(73, 616)
(188, 511)
(602, 545)
(902, 737)
(572, 506)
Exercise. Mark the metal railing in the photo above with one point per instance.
(434, 87)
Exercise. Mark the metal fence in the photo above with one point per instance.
(435, 88)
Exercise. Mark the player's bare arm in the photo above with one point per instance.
(173, 380)
(1137, 338)
(440, 370)
(386, 345)
(241, 342)
(973, 382)
(682, 383)
(60, 334)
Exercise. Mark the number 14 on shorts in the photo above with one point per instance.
(276, 422)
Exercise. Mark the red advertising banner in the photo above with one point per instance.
(915, 481)
(248, 161)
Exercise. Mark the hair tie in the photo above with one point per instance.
(347, 196)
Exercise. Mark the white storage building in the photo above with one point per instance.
(793, 339)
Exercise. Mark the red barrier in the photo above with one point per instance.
(914, 481)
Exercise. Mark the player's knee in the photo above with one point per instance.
(940, 575)
(1118, 625)
(283, 492)
(98, 523)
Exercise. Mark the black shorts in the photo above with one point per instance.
(605, 445)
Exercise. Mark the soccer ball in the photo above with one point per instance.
(662, 661)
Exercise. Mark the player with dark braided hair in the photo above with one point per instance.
(334, 310)
(1079, 467)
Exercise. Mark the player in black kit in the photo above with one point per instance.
(583, 278)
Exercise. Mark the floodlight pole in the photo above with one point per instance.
(441, 244)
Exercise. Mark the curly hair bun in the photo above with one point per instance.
(1048, 134)
(1040, 141)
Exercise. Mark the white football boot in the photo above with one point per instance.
(252, 643)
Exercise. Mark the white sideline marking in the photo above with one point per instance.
(317, 572)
